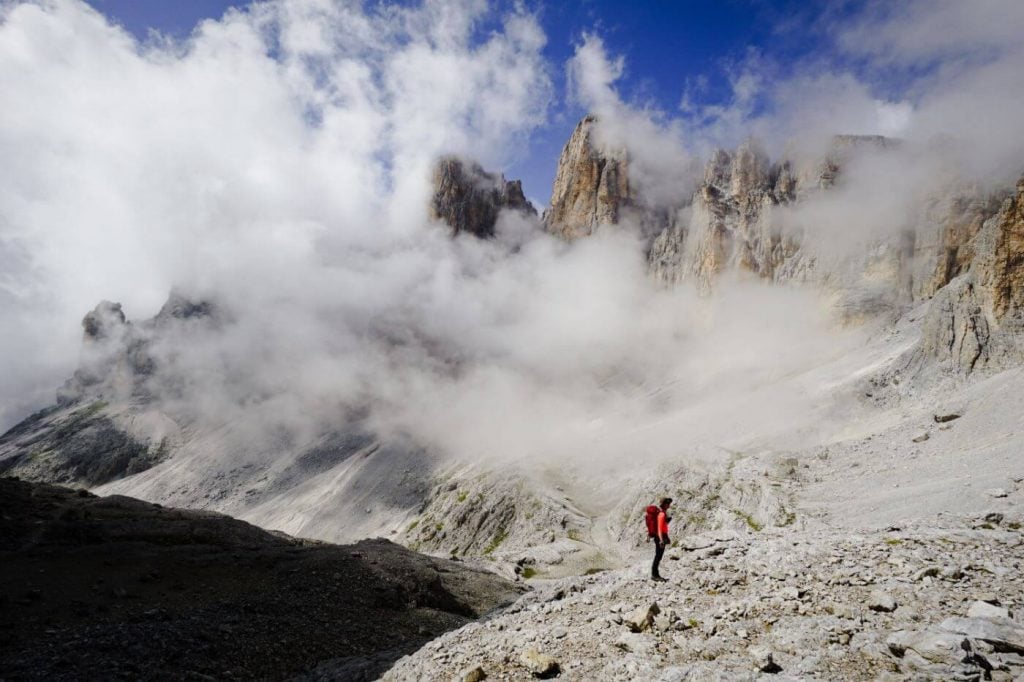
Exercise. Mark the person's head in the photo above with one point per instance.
(666, 502)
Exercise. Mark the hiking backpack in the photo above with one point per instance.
(651, 517)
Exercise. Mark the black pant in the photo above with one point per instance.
(659, 551)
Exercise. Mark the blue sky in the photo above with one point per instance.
(670, 48)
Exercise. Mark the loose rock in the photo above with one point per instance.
(981, 609)
(881, 601)
(540, 665)
(642, 618)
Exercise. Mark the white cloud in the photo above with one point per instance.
(272, 148)
(659, 163)
(278, 160)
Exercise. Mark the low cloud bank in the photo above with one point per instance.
(278, 163)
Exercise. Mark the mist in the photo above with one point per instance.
(277, 163)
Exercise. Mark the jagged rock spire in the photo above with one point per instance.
(591, 185)
(469, 199)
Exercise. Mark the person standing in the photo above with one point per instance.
(661, 538)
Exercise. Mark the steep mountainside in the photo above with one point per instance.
(938, 297)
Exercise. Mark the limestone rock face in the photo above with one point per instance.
(591, 185)
(977, 319)
(1001, 258)
(730, 223)
(469, 199)
(944, 234)
(740, 221)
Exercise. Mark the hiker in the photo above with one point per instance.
(657, 529)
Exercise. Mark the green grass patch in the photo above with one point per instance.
(412, 526)
(92, 409)
(751, 522)
(594, 570)
(697, 520)
(1013, 525)
(893, 541)
(529, 572)
(38, 454)
(575, 534)
(463, 494)
(496, 541)
(439, 526)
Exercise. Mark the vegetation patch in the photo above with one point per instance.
(496, 541)
(893, 541)
(751, 522)
(528, 572)
(463, 494)
(93, 408)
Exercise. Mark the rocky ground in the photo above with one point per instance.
(116, 588)
(892, 552)
(941, 599)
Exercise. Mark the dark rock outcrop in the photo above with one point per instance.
(181, 307)
(469, 199)
(81, 446)
(108, 587)
(105, 321)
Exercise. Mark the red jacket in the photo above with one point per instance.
(662, 524)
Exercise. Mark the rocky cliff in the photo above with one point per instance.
(976, 320)
(730, 224)
(961, 244)
(741, 219)
(469, 199)
(735, 222)
(591, 185)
